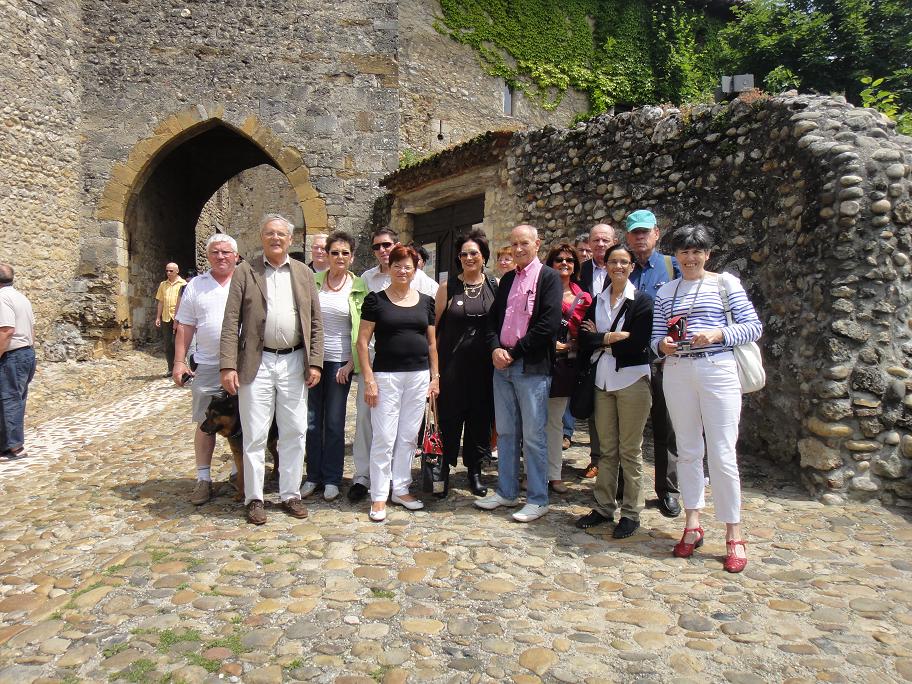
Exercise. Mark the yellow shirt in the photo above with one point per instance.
(167, 295)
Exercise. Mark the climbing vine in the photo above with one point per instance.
(617, 51)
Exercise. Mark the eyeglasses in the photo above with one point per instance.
(377, 246)
(563, 260)
(220, 253)
(470, 253)
(170, 270)
(275, 234)
(403, 268)
(339, 252)
(618, 262)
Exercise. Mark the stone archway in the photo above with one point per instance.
(153, 200)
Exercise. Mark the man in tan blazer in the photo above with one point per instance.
(271, 352)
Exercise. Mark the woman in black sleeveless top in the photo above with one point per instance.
(466, 401)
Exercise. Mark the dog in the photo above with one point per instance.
(223, 417)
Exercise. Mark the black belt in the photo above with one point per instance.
(287, 350)
(702, 355)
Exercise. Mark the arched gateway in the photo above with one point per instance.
(151, 204)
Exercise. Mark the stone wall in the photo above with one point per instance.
(810, 201)
(39, 173)
(447, 99)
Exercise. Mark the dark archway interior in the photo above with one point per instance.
(162, 217)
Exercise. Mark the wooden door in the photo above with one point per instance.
(437, 229)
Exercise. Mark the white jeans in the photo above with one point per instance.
(396, 420)
(704, 396)
(364, 433)
(555, 433)
(278, 389)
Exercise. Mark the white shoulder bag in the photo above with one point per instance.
(747, 356)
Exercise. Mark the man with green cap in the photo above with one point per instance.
(651, 271)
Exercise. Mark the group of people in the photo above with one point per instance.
(491, 353)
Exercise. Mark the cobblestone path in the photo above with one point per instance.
(108, 574)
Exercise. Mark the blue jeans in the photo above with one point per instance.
(17, 368)
(569, 422)
(326, 427)
(521, 411)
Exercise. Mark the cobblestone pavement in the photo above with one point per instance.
(108, 574)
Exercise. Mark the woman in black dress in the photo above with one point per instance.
(466, 402)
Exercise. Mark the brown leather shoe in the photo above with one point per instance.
(256, 513)
(295, 508)
(591, 471)
(202, 492)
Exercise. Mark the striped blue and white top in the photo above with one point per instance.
(708, 311)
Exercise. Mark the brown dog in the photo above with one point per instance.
(224, 418)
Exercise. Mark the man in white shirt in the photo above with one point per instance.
(319, 259)
(17, 363)
(377, 278)
(200, 313)
(271, 353)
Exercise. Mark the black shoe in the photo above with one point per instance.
(625, 527)
(669, 506)
(356, 492)
(591, 520)
(475, 485)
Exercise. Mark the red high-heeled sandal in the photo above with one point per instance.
(684, 550)
(732, 562)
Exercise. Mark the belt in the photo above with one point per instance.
(287, 350)
(702, 355)
(11, 351)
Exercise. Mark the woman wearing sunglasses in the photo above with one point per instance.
(466, 385)
(574, 305)
(341, 295)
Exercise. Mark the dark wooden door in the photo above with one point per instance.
(437, 229)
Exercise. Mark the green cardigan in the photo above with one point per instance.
(358, 292)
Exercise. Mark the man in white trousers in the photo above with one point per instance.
(271, 352)
(377, 278)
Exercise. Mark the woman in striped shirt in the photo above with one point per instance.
(701, 385)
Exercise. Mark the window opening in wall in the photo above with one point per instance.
(507, 99)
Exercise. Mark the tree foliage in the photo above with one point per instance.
(829, 45)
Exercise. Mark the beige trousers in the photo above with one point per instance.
(620, 417)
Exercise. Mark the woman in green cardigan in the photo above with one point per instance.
(341, 295)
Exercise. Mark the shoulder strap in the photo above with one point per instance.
(723, 295)
(669, 266)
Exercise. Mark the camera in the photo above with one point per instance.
(186, 378)
(677, 328)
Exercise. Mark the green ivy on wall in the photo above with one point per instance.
(617, 51)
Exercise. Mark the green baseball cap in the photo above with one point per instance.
(641, 218)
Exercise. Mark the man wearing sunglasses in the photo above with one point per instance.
(377, 279)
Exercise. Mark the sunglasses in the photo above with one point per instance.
(563, 260)
(377, 246)
(472, 253)
(339, 252)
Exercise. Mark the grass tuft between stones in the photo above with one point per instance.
(381, 593)
(137, 672)
(169, 638)
(377, 674)
(207, 664)
(112, 651)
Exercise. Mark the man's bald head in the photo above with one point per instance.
(601, 237)
(6, 274)
(171, 271)
(525, 242)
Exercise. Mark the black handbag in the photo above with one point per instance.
(582, 401)
(433, 480)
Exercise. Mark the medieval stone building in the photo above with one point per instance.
(131, 130)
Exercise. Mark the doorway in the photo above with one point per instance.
(436, 231)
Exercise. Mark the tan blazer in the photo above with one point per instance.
(244, 324)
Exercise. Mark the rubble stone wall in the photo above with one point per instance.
(811, 202)
(40, 169)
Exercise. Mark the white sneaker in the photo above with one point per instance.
(530, 512)
(495, 500)
(307, 489)
(413, 505)
(330, 492)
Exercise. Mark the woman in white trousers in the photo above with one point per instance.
(397, 381)
(701, 385)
